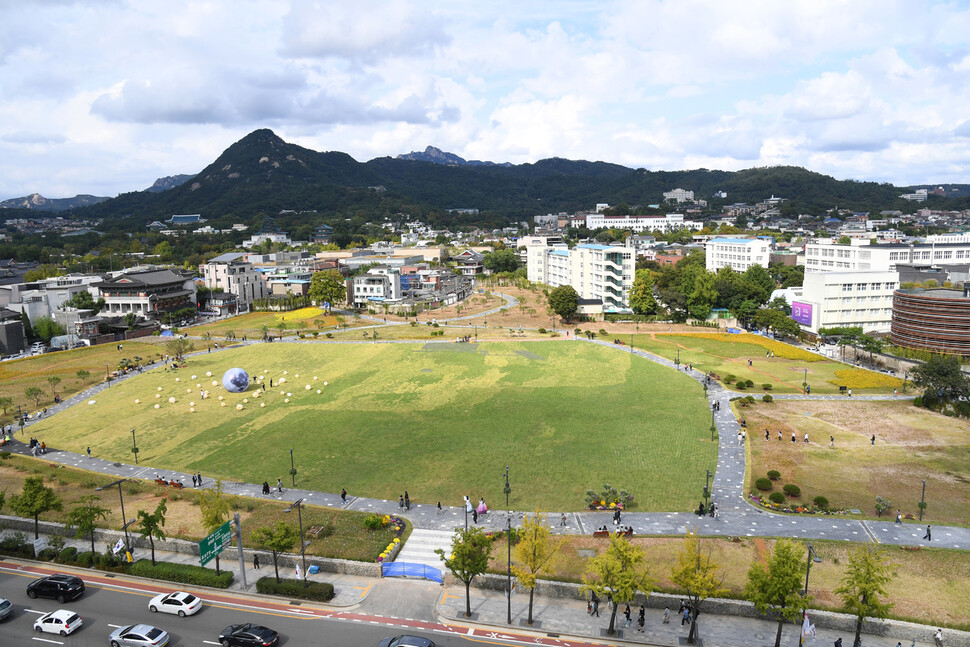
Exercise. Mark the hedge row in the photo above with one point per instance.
(184, 573)
(317, 591)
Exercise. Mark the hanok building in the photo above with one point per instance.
(149, 294)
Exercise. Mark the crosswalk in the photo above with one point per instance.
(420, 547)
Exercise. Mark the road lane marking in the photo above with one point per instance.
(35, 611)
(45, 640)
(116, 626)
(209, 642)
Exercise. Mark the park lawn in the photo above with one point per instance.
(19, 374)
(251, 324)
(917, 445)
(344, 538)
(439, 420)
(476, 304)
(424, 331)
(930, 587)
(729, 354)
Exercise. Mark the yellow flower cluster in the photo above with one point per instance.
(778, 348)
(302, 313)
(857, 378)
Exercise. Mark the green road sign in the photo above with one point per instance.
(214, 543)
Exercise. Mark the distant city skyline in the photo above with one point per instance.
(103, 97)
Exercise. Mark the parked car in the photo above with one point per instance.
(248, 635)
(180, 603)
(406, 641)
(62, 622)
(57, 587)
(138, 636)
(6, 608)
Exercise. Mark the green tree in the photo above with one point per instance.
(696, 574)
(86, 516)
(774, 586)
(130, 320)
(844, 240)
(164, 250)
(281, 326)
(642, 301)
(35, 499)
(503, 260)
(619, 572)
(53, 380)
(940, 377)
(759, 276)
(178, 347)
(45, 328)
(470, 550)
(534, 554)
(6, 402)
(84, 301)
(564, 301)
(702, 296)
(151, 525)
(278, 539)
(863, 587)
(327, 287)
(83, 375)
(215, 508)
(34, 393)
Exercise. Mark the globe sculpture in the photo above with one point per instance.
(235, 380)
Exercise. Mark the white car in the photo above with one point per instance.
(61, 622)
(180, 603)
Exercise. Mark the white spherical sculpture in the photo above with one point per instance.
(171, 400)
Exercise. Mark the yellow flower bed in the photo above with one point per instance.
(857, 378)
(777, 347)
(302, 313)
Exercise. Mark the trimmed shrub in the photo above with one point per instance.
(67, 555)
(542, 331)
(84, 559)
(821, 503)
(749, 383)
(776, 497)
(741, 385)
(4, 455)
(317, 591)
(774, 475)
(766, 387)
(766, 398)
(749, 399)
(918, 401)
(792, 490)
(729, 378)
(184, 573)
(46, 555)
(763, 484)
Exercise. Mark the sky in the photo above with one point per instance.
(105, 96)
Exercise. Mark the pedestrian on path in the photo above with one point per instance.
(596, 606)
(627, 614)
(266, 488)
(928, 536)
(562, 520)
(89, 450)
(666, 615)
(938, 638)
(873, 440)
(838, 643)
(642, 618)
(279, 485)
(850, 393)
(686, 617)
(343, 496)
(400, 502)
(474, 515)
(589, 607)
(895, 392)
(439, 507)
(407, 501)
(831, 441)
(194, 482)
(256, 562)
(198, 477)
(899, 516)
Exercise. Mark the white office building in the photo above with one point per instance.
(832, 257)
(679, 195)
(235, 276)
(737, 253)
(663, 224)
(602, 273)
(380, 285)
(835, 299)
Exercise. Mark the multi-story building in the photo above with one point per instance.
(381, 284)
(679, 195)
(42, 298)
(933, 320)
(235, 276)
(599, 272)
(148, 293)
(838, 299)
(828, 256)
(663, 224)
(737, 253)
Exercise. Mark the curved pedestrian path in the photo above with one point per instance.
(737, 517)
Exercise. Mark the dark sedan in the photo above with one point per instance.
(406, 641)
(57, 587)
(248, 635)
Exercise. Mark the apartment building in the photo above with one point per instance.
(381, 284)
(602, 273)
(737, 253)
(827, 256)
(663, 224)
(679, 195)
(235, 276)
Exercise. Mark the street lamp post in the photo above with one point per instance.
(134, 447)
(292, 469)
(707, 490)
(298, 504)
(508, 537)
(468, 508)
(20, 419)
(922, 501)
(805, 380)
(508, 488)
(125, 523)
(812, 556)
(713, 426)
(107, 376)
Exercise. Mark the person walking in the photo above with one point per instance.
(627, 615)
(767, 437)
(343, 496)
(938, 638)
(831, 441)
(193, 480)
(929, 535)
(198, 477)
(89, 447)
(899, 517)
(474, 515)
(596, 606)
(838, 643)
(873, 440)
(779, 435)
(793, 437)
(666, 615)
(407, 501)
(279, 485)
(256, 561)
(400, 502)
(850, 393)
(685, 619)
(895, 393)
(642, 618)
(562, 520)
(439, 507)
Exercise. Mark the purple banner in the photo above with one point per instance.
(802, 313)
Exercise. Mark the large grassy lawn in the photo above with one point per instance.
(439, 420)
(785, 371)
(251, 324)
(912, 445)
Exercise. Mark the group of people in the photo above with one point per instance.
(279, 486)
(404, 501)
(710, 510)
(37, 447)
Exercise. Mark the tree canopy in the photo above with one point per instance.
(470, 550)
(863, 587)
(775, 586)
(502, 260)
(697, 574)
(34, 500)
(534, 553)
(278, 539)
(619, 572)
(327, 287)
(940, 377)
(642, 301)
(564, 301)
(85, 517)
(152, 524)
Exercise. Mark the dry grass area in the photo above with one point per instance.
(344, 536)
(930, 585)
(912, 445)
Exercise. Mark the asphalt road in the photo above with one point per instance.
(104, 607)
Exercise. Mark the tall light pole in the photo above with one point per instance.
(292, 469)
(713, 426)
(678, 359)
(298, 504)
(508, 488)
(107, 376)
(922, 501)
(134, 447)
(124, 521)
(707, 490)
(812, 556)
(805, 380)
(468, 508)
(508, 537)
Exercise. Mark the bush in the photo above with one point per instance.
(373, 522)
(749, 399)
(329, 335)
(730, 377)
(774, 475)
(317, 591)
(184, 573)
(602, 331)
(766, 398)
(542, 331)
(776, 497)
(84, 559)
(742, 385)
(4, 455)
(46, 555)
(763, 484)
(68, 555)
(821, 503)
(749, 383)
(792, 490)
(766, 387)
(918, 401)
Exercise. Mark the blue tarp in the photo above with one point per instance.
(407, 569)
(167, 333)
(735, 331)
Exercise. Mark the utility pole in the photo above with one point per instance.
(134, 447)
(242, 560)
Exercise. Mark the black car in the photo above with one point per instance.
(57, 587)
(406, 641)
(248, 635)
